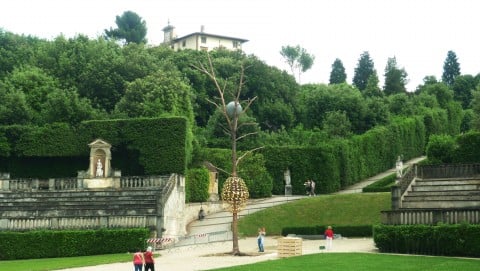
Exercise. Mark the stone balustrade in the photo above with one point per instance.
(64, 223)
(59, 184)
(431, 217)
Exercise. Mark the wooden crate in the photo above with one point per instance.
(289, 246)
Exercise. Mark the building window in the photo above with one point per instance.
(184, 43)
(235, 44)
(203, 39)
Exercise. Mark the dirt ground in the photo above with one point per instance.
(209, 256)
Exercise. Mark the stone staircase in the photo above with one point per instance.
(25, 204)
(443, 193)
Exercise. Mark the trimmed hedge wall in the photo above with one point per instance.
(251, 168)
(382, 185)
(52, 244)
(345, 230)
(197, 182)
(146, 146)
(340, 163)
(444, 239)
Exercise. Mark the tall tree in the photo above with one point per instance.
(234, 191)
(372, 89)
(338, 75)
(130, 28)
(298, 59)
(451, 69)
(395, 78)
(364, 69)
(463, 87)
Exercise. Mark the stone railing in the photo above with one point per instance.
(143, 181)
(403, 184)
(431, 216)
(448, 171)
(63, 223)
(65, 184)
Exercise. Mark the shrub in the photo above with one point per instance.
(382, 185)
(444, 239)
(344, 230)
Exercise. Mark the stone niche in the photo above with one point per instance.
(100, 173)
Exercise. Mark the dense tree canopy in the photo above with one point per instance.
(75, 79)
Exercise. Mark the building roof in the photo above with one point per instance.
(209, 35)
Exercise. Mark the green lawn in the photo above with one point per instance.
(344, 209)
(62, 263)
(362, 262)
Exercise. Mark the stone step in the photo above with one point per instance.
(444, 193)
(78, 204)
(440, 204)
(6, 200)
(442, 197)
(445, 187)
(80, 194)
(28, 213)
(447, 182)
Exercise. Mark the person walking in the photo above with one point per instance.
(149, 261)
(329, 237)
(312, 186)
(308, 188)
(261, 239)
(138, 260)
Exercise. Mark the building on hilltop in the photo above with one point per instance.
(200, 40)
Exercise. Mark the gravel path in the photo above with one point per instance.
(204, 257)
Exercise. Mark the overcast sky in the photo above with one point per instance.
(419, 33)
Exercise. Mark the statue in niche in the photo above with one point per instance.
(99, 172)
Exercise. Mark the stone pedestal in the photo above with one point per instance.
(288, 190)
(98, 183)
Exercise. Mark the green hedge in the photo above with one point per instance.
(382, 185)
(145, 146)
(251, 168)
(197, 183)
(444, 239)
(52, 244)
(339, 163)
(344, 231)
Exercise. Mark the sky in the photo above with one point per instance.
(419, 33)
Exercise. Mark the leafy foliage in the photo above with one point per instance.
(130, 27)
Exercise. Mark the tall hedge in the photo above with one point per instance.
(197, 183)
(146, 146)
(339, 163)
(51, 244)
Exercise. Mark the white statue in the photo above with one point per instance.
(399, 167)
(286, 175)
(99, 172)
